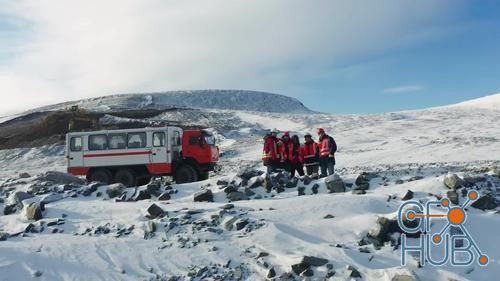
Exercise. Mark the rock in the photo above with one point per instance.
(33, 211)
(228, 225)
(399, 181)
(271, 273)
(358, 191)
(314, 261)
(142, 194)
(408, 195)
(204, 196)
(329, 216)
(10, 209)
(452, 181)
(315, 188)
(230, 189)
(256, 182)
(115, 190)
(61, 178)
(37, 273)
(249, 173)
(380, 230)
(292, 183)
(164, 196)
(4, 236)
(354, 272)
(52, 198)
(334, 184)
(24, 175)
(227, 207)
(301, 191)
(307, 273)
(240, 224)
(496, 172)
(153, 188)
(307, 180)
(222, 183)
(485, 202)
(362, 186)
(249, 192)
(453, 196)
(155, 211)
(403, 277)
(299, 268)
(237, 196)
(18, 197)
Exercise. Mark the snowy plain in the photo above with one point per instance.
(463, 138)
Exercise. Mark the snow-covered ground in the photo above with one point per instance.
(410, 150)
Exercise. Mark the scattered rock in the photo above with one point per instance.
(4, 236)
(271, 273)
(299, 268)
(315, 188)
(249, 192)
(222, 183)
(18, 197)
(164, 196)
(11, 209)
(453, 196)
(380, 230)
(33, 211)
(408, 196)
(204, 196)
(301, 190)
(37, 273)
(61, 178)
(237, 196)
(359, 192)
(292, 183)
(307, 180)
(307, 273)
(50, 198)
(485, 202)
(256, 182)
(230, 189)
(115, 190)
(228, 225)
(240, 224)
(399, 181)
(452, 181)
(314, 261)
(142, 194)
(227, 207)
(403, 277)
(354, 272)
(155, 211)
(24, 175)
(334, 184)
(329, 216)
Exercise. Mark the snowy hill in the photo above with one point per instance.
(102, 238)
(488, 102)
(207, 99)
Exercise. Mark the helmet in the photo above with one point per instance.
(320, 131)
(275, 131)
(286, 134)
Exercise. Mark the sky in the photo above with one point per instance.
(339, 56)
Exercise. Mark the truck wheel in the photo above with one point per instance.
(203, 176)
(126, 177)
(101, 175)
(186, 174)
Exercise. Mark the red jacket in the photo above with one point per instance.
(270, 151)
(310, 154)
(326, 146)
(295, 154)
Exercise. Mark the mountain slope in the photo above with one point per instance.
(487, 102)
(207, 99)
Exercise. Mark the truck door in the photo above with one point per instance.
(159, 151)
(175, 145)
(75, 151)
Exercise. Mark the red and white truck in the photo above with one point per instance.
(133, 156)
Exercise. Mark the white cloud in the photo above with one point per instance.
(404, 89)
(75, 49)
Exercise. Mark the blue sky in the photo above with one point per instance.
(335, 56)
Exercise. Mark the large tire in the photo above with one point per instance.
(126, 177)
(101, 175)
(186, 174)
(203, 176)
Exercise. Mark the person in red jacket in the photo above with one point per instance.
(310, 154)
(270, 154)
(327, 149)
(295, 156)
(283, 148)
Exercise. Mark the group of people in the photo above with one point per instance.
(287, 153)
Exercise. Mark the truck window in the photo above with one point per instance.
(98, 142)
(76, 144)
(158, 139)
(117, 141)
(176, 138)
(136, 140)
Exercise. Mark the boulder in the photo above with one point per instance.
(249, 173)
(452, 181)
(33, 211)
(301, 190)
(315, 188)
(485, 202)
(230, 188)
(222, 182)
(453, 196)
(271, 273)
(307, 180)
(142, 194)
(18, 197)
(61, 178)
(299, 268)
(408, 195)
(115, 190)
(204, 196)
(10, 209)
(4, 236)
(237, 196)
(314, 261)
(292, 183)
(334, 184)
(249, 192)
(256, 182)
(307, 273)
(155, 211)
(380, 231)
(403, 277)
(164, 196)
(153, 188)
(240, 224)
(354, 272)
(228, 225)
(24, 175)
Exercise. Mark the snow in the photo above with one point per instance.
(428, 143)
(488, 102)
